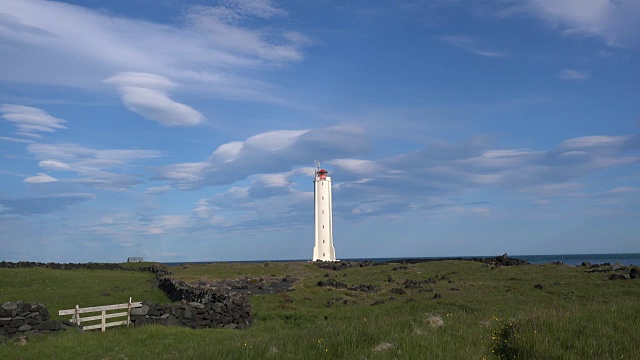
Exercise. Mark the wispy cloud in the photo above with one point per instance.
(214, 51)
(42, 204)
(472, 44)
(572, 74)
(426, 180)
(146, 94)
(30, 121)
(615, 22)
(102, 169)
(269, 152)
(260, 8)
(41, 178)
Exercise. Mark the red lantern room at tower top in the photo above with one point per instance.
(322, 174)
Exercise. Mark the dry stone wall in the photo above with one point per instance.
(230, 314)
(200, 308)
(17, 318)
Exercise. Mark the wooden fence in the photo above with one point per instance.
(76, 319)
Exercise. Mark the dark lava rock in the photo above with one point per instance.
(398, 291)
(379, 302)
(617, 277)
(49, 325)
(368, 288)
(538, 286)
(634, 273)
(437, 296)
(332, 283)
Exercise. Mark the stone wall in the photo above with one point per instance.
(229, 314)
(57, 266)
(24, 318)
(201, 308)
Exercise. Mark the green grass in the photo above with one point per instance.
(484, 312)
(63, 289)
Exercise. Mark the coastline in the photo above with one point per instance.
(627, 259)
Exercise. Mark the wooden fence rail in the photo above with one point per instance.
(76, 319)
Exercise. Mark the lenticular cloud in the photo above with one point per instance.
(146, 94)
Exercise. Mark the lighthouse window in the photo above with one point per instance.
(323, 198)
(323, 241)
(323, 211)
(323, 226)
(322, 254)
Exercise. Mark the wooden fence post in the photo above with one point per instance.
(77, 314)
(129, 313)
(104, 320)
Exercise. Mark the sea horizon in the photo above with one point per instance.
(626, 259)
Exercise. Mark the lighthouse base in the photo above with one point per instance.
(324, 254)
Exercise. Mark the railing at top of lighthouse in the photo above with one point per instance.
(320, 173)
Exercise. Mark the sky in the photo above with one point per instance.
(188, 130)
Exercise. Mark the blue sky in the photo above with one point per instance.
(187, 131)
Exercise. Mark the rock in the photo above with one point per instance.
(634, 273)
(187, 314)
(616, 266)
(379, 302)
(437, 296)
(9, 306)
(172, 321)
(143, 310)
(332, 283)
(586, 264)
(538, 286)
(24, 328)
(230, 326)
(196, 305)
(49, 325)
(617, 277)
(398, 291)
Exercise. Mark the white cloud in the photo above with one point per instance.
(572, 74)
(41, 178)
(260, 8)
(208, 51)
(615, 22)
(30, 120)
(472, 45)
(270, 152)
(96, 168)
(43, 204)
(16, 140)
(145, 94)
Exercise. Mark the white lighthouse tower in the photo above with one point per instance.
(323, 249)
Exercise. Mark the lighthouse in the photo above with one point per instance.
(323, 249)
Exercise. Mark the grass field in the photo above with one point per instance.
(483, 312)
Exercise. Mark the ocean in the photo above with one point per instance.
(568, 259)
